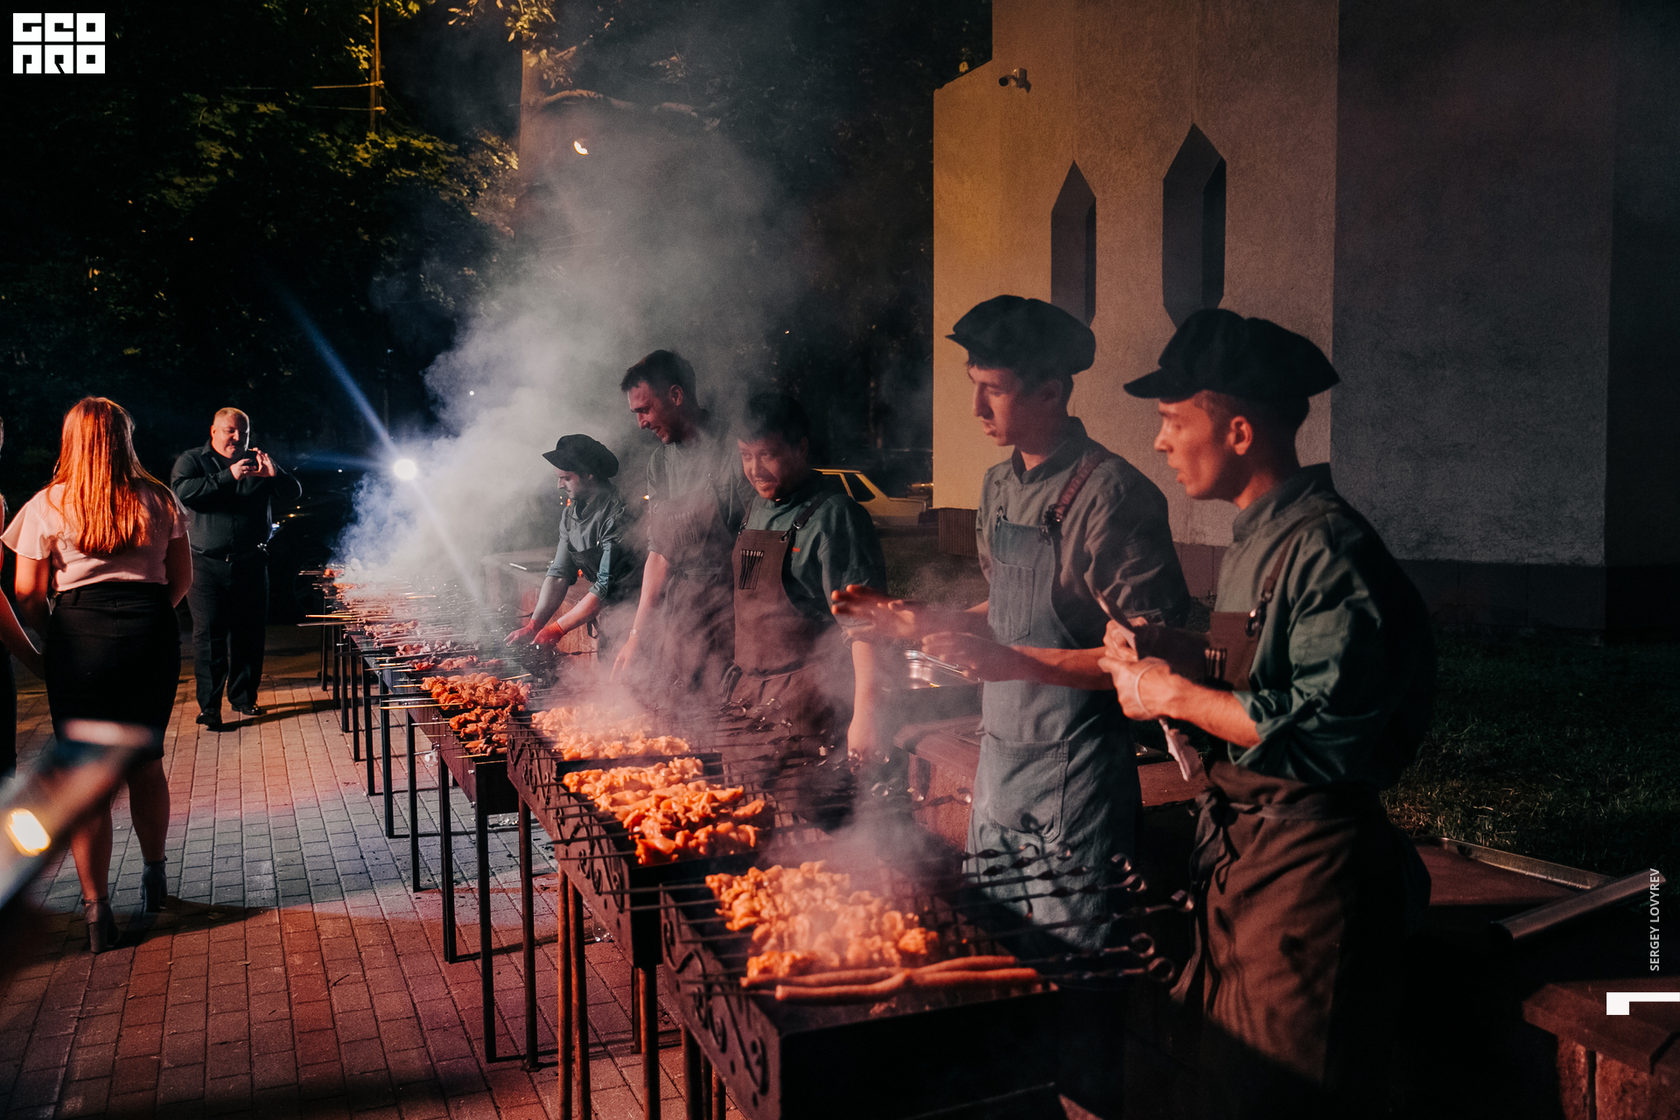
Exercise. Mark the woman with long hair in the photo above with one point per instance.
(108, 543)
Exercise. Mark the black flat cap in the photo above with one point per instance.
(1223, 352)
(1020, 334)
(582, 455)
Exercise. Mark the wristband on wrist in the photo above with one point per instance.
(1137, 691)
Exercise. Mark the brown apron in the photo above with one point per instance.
(1306, 895)
(797, 665)
(697, 627)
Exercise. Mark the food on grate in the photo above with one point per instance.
(482, 731)
(807, 919)
(587, 732)
(477, 690)
(436, 664)
(671, 812)
(440, 648)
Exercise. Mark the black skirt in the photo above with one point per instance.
(113, 652)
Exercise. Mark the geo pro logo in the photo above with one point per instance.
(58, 42)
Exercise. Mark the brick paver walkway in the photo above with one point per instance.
(294, 972)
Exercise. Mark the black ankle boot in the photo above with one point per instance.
(154, 885)
(101, 924)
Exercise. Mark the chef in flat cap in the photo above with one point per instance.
(1070, 536)
(596, 542)
(1317, 675)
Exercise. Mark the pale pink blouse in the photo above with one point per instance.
(38, 532)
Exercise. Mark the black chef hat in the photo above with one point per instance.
(582, 455)
(1223, 352)
(1028, 336)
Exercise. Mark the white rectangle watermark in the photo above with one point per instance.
(58, 43)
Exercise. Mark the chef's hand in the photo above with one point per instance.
(523, 634)
(983, 657)
(1131, 675)
(871, 615)
(243, 468)
(549, 636)
(626, 658)
(1120, 638)
(863, 740)
(265, 465)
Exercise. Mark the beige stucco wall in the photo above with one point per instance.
(1115, 88)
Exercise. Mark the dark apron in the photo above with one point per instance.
(1310, 893)
(696, 632)
(796, 664)
(1058, 775)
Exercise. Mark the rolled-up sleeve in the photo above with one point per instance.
(1130, 563)
(1346, 674)
(562, 567)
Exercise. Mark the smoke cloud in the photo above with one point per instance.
(633, 233)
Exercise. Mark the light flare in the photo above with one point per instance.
(27, 833)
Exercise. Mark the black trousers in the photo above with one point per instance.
(229, 601)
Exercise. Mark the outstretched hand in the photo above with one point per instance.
(873, 615)
(982, 657)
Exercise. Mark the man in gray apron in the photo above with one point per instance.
(804, 538)
(1070, 535)
(1318, 673)
(684, 631)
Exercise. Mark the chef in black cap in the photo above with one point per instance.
(1070, 536)
(596, 531)
(1318, 676)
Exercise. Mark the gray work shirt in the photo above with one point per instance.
(596, 538)
(1116, 557)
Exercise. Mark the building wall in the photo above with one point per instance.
(1473, 265)
(1115, 87)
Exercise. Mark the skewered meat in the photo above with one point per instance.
(672, 813)
(587, 732)
(807, 919)
(477, 690)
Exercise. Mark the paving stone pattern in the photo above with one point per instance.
(294, 972)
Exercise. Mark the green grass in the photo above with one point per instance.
(1554, 749)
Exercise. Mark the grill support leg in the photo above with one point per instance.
(635, 1011)
(694, 1081)
(580, 1005)
(413, 805)
(647, 995)
(528, 934)
(385, 759)
(486, 949)
(566, 1048)
(367, 720)
(446, 856)
(720, 1096)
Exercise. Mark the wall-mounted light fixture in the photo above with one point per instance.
(1016, 77)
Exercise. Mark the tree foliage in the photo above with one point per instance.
(177, 222)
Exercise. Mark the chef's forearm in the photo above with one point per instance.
(655, 571)
(548, 601)
(1071, 668)
(1214, 710)
(582, 611)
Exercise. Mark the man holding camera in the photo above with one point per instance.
(229, 489)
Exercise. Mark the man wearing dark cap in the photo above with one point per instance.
(684, 632)
(1318, 674)
(595, 531)
(1070, 536)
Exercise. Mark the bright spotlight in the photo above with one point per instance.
(577, 146)
(26, 832)
(406, 470)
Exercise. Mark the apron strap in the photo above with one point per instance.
(1268, 588)
(1051, 526)
(811, 508)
